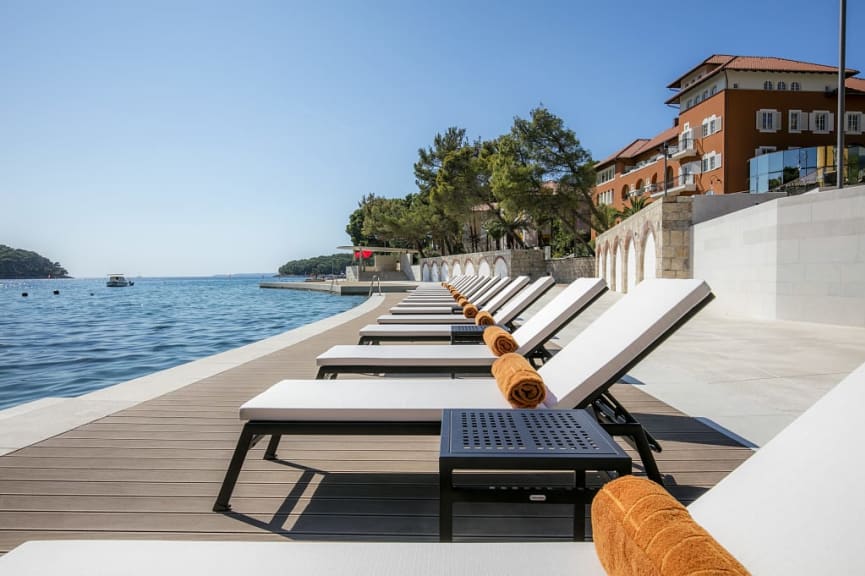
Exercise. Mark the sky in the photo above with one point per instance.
(182, 138)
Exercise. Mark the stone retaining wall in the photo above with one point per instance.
(566, 270)
(495, 263)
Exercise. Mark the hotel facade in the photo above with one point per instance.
(744, 124)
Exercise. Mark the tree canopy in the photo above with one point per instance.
(17, 263)
(335, 264)
(535, 177)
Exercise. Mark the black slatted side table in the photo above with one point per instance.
(523, 440)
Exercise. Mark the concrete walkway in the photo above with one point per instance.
(750, 377)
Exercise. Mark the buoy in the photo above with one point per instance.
(56, 292)
(91, 293)
(24, 294)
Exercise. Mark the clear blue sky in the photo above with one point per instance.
(189, 138)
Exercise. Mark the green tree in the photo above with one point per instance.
(541, 170)
(605, 217)
(443, 230)
(636, 204)
(17, 263)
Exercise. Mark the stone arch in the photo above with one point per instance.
(649, 254)
(608, 266)
(638, 187)
(458, 269)
(630, 265)
(619, 272)
(436, 277)
(599, 266)
(501, 267)
(425, 272)
(625, 192)
(484, 268)
(470, 267)
(445, 272)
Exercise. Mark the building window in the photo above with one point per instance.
(714, 90)
(768, 121)
(735, 84)
(797, 121)
(705, 94)
(696, 99)
(711, 161)
(794, 86)
(764, 150)
(821, 121)
(767, 85)
(782, 85)
(711, 125)
(853, 125)
(690, 103)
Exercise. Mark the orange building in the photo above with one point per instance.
(732, 109)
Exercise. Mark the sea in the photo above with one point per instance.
(88, 336)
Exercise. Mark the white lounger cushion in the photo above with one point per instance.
(406, 330)
(183, 558)
(507, 312)
(371, 400)
(796, 506)
(412, 356)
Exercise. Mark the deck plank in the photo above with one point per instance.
(153, 471)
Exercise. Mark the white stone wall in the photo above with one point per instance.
(799, 258)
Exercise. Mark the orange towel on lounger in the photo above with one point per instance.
(638, 528)
(484, 318)
(463, 301)
(470, 310)
(519, 382)
(499, 340)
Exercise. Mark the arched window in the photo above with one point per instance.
(782, 85)
(625, 190)
(767, 85)
(794, 86)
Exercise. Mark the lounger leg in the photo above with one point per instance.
(270, 453)
(244, 443)
(641, 442)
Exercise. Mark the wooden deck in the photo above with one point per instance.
(153, 471)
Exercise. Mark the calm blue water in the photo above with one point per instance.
(91, 336)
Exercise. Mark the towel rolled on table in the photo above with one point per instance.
(519, 382)
(462, 301)
(499, 340)
(470, 310)
(639, 528)
(484, 318)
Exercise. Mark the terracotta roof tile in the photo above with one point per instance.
(763, 63)
(622, 152)
(857, 84)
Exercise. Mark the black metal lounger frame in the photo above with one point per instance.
(610, 413)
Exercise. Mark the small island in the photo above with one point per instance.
(24, 264)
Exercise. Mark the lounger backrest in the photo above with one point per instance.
(796, 506)
(607, 346)
(506, 294)
(518, 304)
(547, 321)
(477, 288)
(490, 290)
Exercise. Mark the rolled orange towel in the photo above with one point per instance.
(456, 295)
(484, 318)
(638, 528)
(519, 382)
(463, 301)
(470, 310)
(499, 340)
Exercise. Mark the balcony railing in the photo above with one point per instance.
(683, 183)
(687, 147)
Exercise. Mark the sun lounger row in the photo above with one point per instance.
(772, 514)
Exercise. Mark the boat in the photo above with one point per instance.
(118, 281)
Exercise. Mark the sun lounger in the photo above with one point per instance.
(769, 513)
(476, 358)
(505, 300)
(449, 305)
(579, 376)
(431, 332)
(445, 305)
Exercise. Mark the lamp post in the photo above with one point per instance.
(839, 148)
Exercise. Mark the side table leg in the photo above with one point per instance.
(445, 502)
(580, 501)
